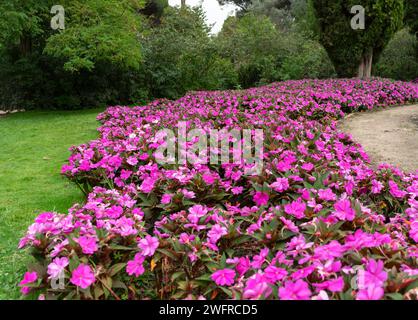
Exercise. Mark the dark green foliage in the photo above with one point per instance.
(261, 54)
(92, 62)
(411, 15)
(347, 47)
(133, 51)
(180, 56)
(399, 60)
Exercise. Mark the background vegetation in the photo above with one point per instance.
(133, 51)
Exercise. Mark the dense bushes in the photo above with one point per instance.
(116, 52)
(316, 223)
(179, 56)
(400, 58)
(156, 57)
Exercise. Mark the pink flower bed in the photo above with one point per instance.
(317, 223)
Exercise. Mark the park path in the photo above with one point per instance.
(388, 135)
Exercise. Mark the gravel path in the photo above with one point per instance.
(389, 135)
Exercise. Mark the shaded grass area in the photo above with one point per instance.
(33, 147)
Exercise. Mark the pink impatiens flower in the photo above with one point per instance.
(243, 265)
(147, 185)
(148, 245)
(327, 195)
(371, 292)
(261, 198)
(196, 212)
(88, 244)
(343, 210)
(57, 266)
(280, 185)
(274, 274)
(166, 198)
(376, 186)
(334, 285)
(135, 266)
(375, 273)
(132, 161)
(413, 233)
(395, 191)
(216, 232)
(296, 209)
(83, 276)
(28, 277)
(224, 277)
(257, 287)
(298, 290)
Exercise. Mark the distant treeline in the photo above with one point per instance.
(124, 52)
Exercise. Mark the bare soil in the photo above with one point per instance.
(388, 135)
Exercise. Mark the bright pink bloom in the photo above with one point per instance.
(188, 194)
(243, 265)
(237, 190)
(298, 290)
(371, 292)
(208, 178)
(327, 195)
(83, 276)
(196, 212)
(343, 210)
(125, 174)
(166, 198)
(224, 277)
(261, 198)
(274, 274)
(28, 277)
(375, 273)
(147, 185)
(257, 287)
(281, 184)
(296, 209)
(148, 245)
(334, 285)
(132, 161)
(135, 266)
(413, 233)
(88, 244)
(216, 232)
(57, 266)
(377, 186)
(395, 191)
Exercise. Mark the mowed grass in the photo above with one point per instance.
(33, 147)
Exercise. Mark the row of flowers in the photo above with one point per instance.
(318, 222)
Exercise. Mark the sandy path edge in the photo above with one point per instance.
(388, 135)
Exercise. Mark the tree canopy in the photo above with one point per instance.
(350, 50)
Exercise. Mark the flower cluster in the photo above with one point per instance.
(317, 223)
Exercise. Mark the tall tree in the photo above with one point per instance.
(352, 50)
(154, 9)
(411, 15)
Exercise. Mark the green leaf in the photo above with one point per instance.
(113, 270)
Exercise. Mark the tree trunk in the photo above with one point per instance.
(183, 4)
(365, 67)
(25, 45)
(361, 68)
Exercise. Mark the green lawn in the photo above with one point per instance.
(33, 147)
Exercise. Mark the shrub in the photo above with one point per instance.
(399, 60)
